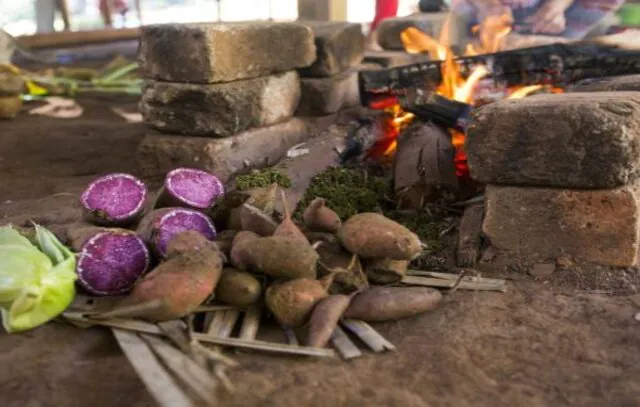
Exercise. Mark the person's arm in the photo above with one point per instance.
(384, 9)
(583, 15)
(550, 17)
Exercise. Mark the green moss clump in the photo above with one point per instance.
(262, 179)
(347, 191)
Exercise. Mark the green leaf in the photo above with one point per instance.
(37, 282)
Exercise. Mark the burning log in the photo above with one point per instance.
(547, 64)
(424, 157)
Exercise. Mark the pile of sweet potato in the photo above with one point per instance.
(311, 273)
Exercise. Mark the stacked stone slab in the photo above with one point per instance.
(222, 96)
(389, 30)
(331, 82)
(563, 175)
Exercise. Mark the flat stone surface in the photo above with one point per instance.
(225, 157)
(600, 226)
(221, 109)
(572, 140)
(339, 46)
(389, 29)
(223, 52)
(626, 83)
(390, 59)
(321, 96)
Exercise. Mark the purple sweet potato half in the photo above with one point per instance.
(114, 199)
(158, 227)
(191, 188)
(111, 261)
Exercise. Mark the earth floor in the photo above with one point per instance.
(536, 345)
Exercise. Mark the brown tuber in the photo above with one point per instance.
(289, 229)
(391, 303)
(346, 267)
(318, 217)
(282, 257)
(386, 271)
(240, 249)
(371, 235)
(256, 221)
(178, 285)
(238, 288)
(188, 241)
(291, 302)
(325, 317)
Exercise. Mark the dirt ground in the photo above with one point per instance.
(536, 345)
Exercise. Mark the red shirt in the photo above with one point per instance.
(384, 9)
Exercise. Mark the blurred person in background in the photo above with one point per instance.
(571, 19)
(45, 11)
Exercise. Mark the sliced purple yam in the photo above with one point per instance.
(114, 199)
(111, 261)
(158, 227)
(191, 188)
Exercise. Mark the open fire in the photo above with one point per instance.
(467, 89)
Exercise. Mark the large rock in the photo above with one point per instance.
(390, 59)
(600, 226)
(221, 109)
(223, 52)
(339, 46)
(321, 96)
(573, 140)
(626, 83)
(225, 157)
(389, 30)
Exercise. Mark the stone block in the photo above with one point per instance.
(389, 30)
(572, 140)
(321, 96)
(223, 52)
(221, 109)
(600, 226)
(626, 83)
(159, 153)
(339, 46)
(390, 59)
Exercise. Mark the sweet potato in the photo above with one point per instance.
(287, 228)
(114, 200)
(325, 317)
(238, 288)
(386, 271)
(240, 248)
(254, 220)
(109, 261)
(371, 235)
(318, 217)
(187, 241)
(292, 301)
(179, 285)
(391, 303)
(346, 267)
(189, 188)
(158, 227)
(224, 240)
(283, 257)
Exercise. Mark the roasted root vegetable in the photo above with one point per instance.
(371, 236)
(109, 261)
(282, 257)
(238, 288)
(386, 271)
(391, 303)
(287, 228)
(114, 200)
(190, 188)
(291, 302)
(178, 286)
(241, 248)
(158, 227)
(318, 217)
(325, 317)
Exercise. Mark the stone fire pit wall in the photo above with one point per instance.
(222, 96)
(562, 174)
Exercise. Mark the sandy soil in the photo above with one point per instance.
(537, 345)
